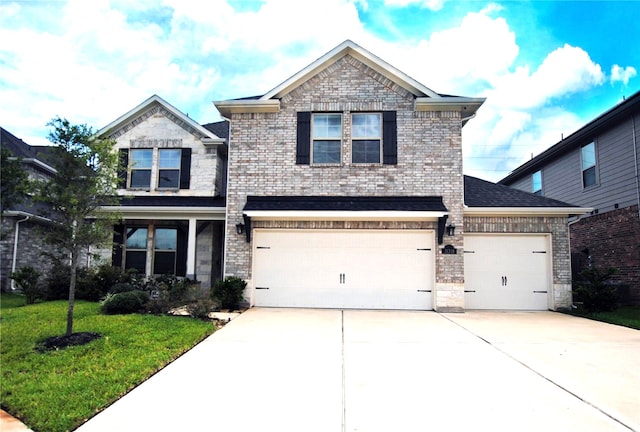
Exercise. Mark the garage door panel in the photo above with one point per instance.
(344, 268)
(506, 272)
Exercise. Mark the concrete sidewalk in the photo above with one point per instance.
(332, 370)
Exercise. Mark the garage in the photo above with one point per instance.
(360, 269)
(510, 272)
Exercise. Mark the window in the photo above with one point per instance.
(165, 247)
(537, 182)
(141, 168)
(588, 156)
(169, 168)
(366, 137)
(136, 249)
(327, 138)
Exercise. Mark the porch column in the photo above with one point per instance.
(191, 249)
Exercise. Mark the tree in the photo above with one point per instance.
(14, 180)
(85, 180)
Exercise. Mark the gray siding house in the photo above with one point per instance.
(597, 167)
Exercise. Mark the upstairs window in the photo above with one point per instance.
(327, 138)
(588, 158)
(536, 179)
(169, 168)
(366, 138)
(141, 161)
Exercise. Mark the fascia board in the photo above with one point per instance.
(228, 107)
(343, 215)
(164, 213)
(36, 162)
(525, 211)
(464, 105)
(350, 48)
(20, 213)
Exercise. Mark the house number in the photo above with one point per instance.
(449, 250)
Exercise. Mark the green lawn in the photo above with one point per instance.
(58, 390)
(628, 316)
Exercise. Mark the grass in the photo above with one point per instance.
(628, 316)
(59, 390)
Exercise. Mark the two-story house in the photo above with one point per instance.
(21, 240)
(173, 204)
(346, 189)
(597, 166)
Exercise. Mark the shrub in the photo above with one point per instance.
(121, 287)
(27, 280)
(594, 291)
(200, 308)
(124, 303)
(228, 292)
(57, 282)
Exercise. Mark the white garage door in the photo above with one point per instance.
(506, 272)
(364, 269)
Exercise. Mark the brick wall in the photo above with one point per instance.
(262, 156)
(612, 240)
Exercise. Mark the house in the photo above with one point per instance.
(597, 166)
(21, 240)
(346, 190)
(173, 187)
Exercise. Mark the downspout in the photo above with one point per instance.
(635, 159)
(15, 249)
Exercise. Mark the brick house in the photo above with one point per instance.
(597, 167)
(173, 206)
(346, 189)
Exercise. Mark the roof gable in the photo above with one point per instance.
(150, 107)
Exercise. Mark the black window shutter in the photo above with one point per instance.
(185, 169)
(303, 147)
(123, 168)
(118, 241)
(181, 252)
(389, 138)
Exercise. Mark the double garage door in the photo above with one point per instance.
(508, 272)
(364, 269)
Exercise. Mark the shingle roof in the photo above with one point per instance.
(220, 129)
(173, 201)
(346, 203)
(21, 149)
(481, 193)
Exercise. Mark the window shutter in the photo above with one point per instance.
(303, 147)
(181, 252)
(185, 169)
(118, 242)
(389, 138)
(123, 169)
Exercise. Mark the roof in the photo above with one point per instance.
(172, 201)
(345, 203)
(425, 98)
(126, 121)
(582, 136)
(37, 155)
(220, 129)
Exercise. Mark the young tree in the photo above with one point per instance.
(85, 179)
(14, 180)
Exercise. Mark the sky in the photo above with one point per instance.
(546, 68)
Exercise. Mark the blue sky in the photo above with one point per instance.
(545, 67)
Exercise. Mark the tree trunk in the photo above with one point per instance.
(72, 291)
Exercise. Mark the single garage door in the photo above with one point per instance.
(506, 271)
(363, 269)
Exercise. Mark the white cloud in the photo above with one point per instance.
(434, 5)
(619, 73)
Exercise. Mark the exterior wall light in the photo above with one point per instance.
(451, 230)
(240, 228)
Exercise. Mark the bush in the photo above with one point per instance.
(121, 287)
(200, 308)
(124, 303)
(58, 281)
(594, 290)
(27, 280)
(228, 292)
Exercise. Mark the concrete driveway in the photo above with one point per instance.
(332, 370)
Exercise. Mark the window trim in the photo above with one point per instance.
(378, 138)
(594, 166)
(313, 139)
(131, 167)
(178, 169)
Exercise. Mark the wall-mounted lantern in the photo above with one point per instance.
(451, 230)
(240, 228)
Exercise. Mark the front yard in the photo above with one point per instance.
(59, 390)
(628, 316)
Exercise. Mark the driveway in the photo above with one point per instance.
(332, 370)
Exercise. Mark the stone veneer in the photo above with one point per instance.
(262, 161)
(555, 226)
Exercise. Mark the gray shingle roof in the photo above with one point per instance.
(346, 203)
(220, 129)
(173, 201)
(481, 193)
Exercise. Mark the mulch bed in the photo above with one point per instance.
(60, 342)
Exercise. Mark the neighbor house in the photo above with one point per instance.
(21, 235)
(173, 187)
(346, 190)
(597, 166)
